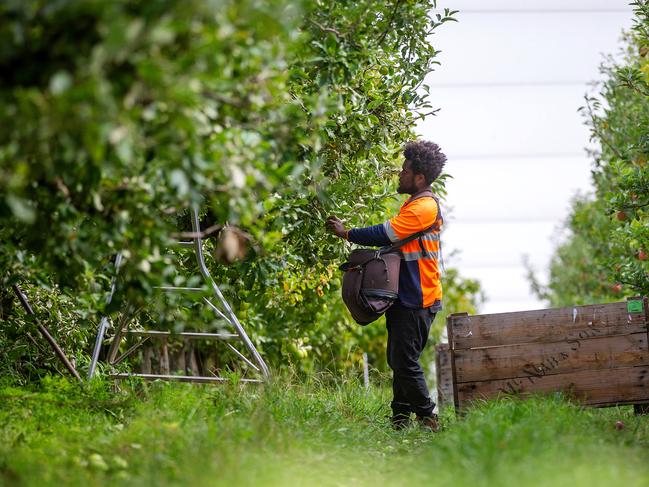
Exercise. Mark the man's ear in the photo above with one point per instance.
(420, 180)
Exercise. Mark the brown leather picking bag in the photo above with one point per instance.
(371, 279)
(370, 283)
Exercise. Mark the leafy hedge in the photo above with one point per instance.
(270, 114)
(607, 254)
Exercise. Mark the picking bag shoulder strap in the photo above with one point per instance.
(435, 226)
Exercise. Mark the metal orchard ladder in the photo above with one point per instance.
(222, 309)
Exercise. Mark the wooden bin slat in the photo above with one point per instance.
(538, 359)
(591, 387)
(444, 375)
(543, 326)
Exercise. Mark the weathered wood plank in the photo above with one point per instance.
(444, 375)
(542, 326)
(592, 387)
(164, 357)
(147, 355)
(451, 346)
(539, 359)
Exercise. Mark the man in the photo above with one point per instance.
(420, 292)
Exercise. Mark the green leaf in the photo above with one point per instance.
(21, 208)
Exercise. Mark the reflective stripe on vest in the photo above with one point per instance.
(390, 231)
(387, 226)
(429, 255)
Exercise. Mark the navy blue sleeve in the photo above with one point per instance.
(374, 235)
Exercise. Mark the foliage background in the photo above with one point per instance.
(605, 256)
(270, 114)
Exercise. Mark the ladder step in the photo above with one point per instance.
(179, 378)
(185, 243)
(188, 335)
(184, 289)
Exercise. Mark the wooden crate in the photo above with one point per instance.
(597, 354)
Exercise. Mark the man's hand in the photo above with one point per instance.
(335, 226)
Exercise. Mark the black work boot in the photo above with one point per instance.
(400, 421)
(429, 422)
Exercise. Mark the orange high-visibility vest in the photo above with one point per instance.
(419, 277)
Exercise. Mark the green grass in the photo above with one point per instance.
(320, 432)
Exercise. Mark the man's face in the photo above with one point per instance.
(407, 179)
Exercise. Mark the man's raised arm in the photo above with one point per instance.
(374, 235)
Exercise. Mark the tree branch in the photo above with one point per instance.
(597, 132)
(387, 27)
(327, 29)
(635, 88)
(635, 206)
(205, 233)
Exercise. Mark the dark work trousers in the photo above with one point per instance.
(408, 330)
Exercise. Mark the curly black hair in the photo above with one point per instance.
(425, 158)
